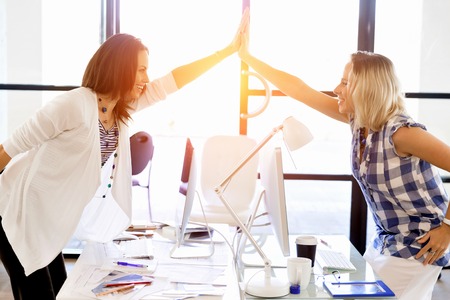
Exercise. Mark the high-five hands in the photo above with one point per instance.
(242, 29)
(244, 34)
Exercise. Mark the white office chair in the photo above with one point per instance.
(220, 155)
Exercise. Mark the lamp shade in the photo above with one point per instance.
(295, 134)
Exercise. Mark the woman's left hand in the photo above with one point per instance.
(438, 241)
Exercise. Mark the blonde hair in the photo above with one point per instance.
(375, 90)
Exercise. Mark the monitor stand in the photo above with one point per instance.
(188, 248)
(192, 250)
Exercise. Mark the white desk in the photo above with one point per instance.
(315, 289)
(93, 255)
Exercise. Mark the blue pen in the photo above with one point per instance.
(126, 264)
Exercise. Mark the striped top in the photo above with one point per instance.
(109, 140)
(405, 194)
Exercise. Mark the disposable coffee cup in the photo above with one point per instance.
(306, 247)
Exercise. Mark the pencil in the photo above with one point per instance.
(121, 283)
(123, 288)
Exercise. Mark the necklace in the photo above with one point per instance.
(362, 141)
(111, 177)
(109, 141)
(104, 109)
(362, 136)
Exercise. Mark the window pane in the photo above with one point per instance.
(70, 36)
(307, 198)
(414, 35)
(48, 43)
(433, 113)
(418, 45)
(52, 42)
(178, 32)
(312, 39)
(306, 39)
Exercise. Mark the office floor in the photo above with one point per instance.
(5, 287)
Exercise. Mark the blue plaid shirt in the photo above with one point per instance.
(405, 194)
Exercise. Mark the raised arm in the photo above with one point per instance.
(189, 72)
(291, 85)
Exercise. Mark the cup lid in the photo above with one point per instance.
(306, 240)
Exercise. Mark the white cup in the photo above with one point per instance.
(299, 271)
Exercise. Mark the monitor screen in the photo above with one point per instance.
(187, 187)
(272, 180)
(184, 247)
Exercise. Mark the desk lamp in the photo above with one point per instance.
(295, 135)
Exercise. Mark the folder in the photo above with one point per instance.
(358, 289)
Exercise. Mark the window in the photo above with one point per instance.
(418, 45)
(311, 39)
(178, 32)
(50, 45)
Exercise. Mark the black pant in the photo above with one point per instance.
(43, 284)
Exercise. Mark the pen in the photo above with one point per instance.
(127, 264)
(325, 243)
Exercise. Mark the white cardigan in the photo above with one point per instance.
(55, 173)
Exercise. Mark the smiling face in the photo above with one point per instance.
(141, 76)
(343, 92)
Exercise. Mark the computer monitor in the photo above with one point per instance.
(188, 187)
(187, 192)
(272, 180)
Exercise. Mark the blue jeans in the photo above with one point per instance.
(43, 284)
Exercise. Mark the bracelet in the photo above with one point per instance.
(446, 221)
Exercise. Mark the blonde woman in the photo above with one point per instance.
(394, 160)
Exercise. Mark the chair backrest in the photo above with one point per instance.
(220, 155)
(141, 147)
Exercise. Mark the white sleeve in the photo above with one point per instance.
(57, 116)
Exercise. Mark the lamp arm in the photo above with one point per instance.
(220, 189)
(249, 156)
(267, 262)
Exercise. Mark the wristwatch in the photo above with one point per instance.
(446, 221)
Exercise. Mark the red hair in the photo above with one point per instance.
(112, 70)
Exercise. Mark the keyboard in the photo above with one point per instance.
(330, 260)
(137, 248)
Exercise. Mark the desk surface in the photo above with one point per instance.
(94, 255)
(315, 289)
